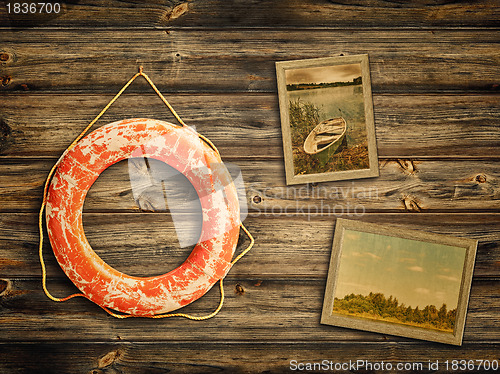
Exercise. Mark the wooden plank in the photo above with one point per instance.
(276, 14)
(245, 125)
(403, 185)
(261, 310)
(339, 14)
(231, 357)
(286, 246)
(191, 60)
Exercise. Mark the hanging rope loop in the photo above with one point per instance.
(44, 203)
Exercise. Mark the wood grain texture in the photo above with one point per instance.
(264, 14)
(435, 75)
(406, 125)
(230, 357)
(266, 310)
(243, 60)
(427, 185)
(294, 246)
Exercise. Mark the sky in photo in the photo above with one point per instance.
(323, 74)
(416, 273)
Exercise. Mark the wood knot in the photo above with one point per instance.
(176, 12)
(257, 199)
(239, 289)
(5, 286)
(5, 129)
(410, 204)
(5, 80)
(108, 359)
(5, 133)
(408, 166)
(255, 78)
(480, 178)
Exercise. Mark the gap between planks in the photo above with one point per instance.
(253, 28)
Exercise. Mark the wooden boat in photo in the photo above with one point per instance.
(325, 139)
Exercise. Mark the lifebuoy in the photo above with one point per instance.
(179, 147)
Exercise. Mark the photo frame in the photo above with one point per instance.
(399, 282)
(327, 122)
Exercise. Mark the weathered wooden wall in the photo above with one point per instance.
(435, 69)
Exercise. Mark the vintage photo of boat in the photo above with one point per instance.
(327, 119)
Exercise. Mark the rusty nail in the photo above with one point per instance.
(257, 199)
(4, 57)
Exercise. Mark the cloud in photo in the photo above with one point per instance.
(448, 278)
(407, 260)
(373, 255)
(423, 291)
(365, 255)
(323, 74)
(416, 268)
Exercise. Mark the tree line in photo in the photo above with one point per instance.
(377, 306)
(310, 86)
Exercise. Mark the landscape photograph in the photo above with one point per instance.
(327, 118)
(399, 281)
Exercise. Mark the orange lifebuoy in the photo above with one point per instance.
(179, 147)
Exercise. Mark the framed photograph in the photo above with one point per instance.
(327, 119)
(399, 282)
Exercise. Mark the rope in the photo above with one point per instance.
(44, 203)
